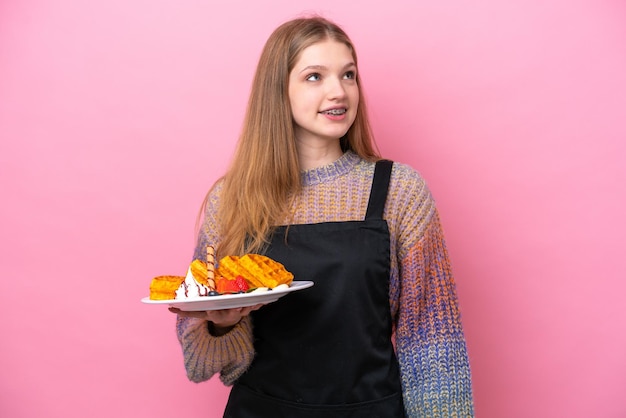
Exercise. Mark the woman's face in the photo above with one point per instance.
(323, 92)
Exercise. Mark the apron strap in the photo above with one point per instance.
(378, 194)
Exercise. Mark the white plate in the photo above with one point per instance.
(237, 300)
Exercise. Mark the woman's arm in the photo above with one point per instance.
(205, 354)
(214, 341)
(430, 343)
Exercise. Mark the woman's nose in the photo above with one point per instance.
(336, 89)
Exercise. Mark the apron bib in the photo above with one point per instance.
(326, 351)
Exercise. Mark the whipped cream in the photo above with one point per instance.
(190, 288)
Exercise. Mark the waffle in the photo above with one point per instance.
(203, 273)
(164, 287)
(258, 270)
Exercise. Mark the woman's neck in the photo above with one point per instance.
(316, 155)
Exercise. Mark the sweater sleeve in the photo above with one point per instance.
(429, 337)
(204, 354)
(430, 343)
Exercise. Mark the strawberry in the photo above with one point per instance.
(224, 285)
(242, 284)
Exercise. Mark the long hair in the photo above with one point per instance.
(265, 173)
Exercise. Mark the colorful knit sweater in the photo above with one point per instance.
(429, 339)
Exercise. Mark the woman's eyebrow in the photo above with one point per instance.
(323, 67)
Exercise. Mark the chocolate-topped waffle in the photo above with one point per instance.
(203, 273)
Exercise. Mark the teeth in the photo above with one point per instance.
(335, 111)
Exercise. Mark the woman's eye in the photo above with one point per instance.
(313, 77)
(351, 75)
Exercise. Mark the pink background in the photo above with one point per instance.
(116, 116)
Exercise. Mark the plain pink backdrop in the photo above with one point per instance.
(117, 116)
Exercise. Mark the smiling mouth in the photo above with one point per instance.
(334, 112)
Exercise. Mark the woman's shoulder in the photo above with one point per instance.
(410, 205)
(216, 189)
(406, 179)
(405, 170)
(212, 199)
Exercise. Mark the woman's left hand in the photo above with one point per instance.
(223, 320)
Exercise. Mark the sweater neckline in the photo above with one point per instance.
(331, 171)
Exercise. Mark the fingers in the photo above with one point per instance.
(188, 314)
(246, 311)
(221, 316)
(225, 317)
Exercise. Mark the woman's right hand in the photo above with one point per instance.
(222, 320)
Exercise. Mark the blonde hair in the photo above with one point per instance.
(264, 173)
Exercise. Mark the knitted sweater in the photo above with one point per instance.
(429, 339)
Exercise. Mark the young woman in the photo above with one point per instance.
(308, 189)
